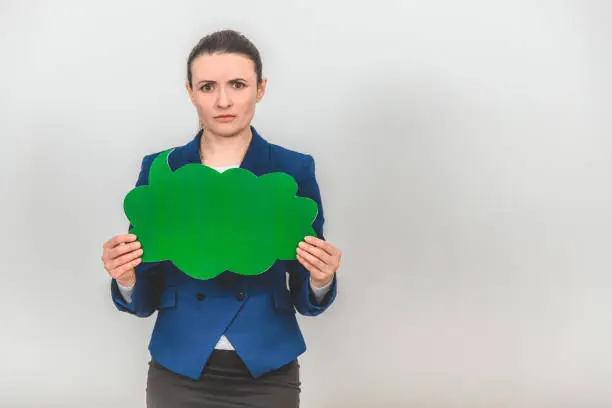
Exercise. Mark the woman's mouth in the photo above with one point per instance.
(225, 118)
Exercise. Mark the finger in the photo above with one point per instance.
(119, 239)
(114, 241)
(125, 268)
(123, 249)
(311, 268)
(319, 264)
(315, 273)
(318, 252)
(121, 274)
(326, 246)
(117, 273)
(116, 263)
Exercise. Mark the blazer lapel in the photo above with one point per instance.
(189, 153)
(257, 157)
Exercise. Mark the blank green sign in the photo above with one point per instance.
(207, 222)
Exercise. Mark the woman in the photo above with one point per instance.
(232, 340)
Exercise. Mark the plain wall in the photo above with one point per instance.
(463, 150)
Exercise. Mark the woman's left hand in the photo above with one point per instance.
(320, 258)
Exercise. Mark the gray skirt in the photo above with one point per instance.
(225, 382)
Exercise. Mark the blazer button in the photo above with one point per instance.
(240, 296)
(200, 296)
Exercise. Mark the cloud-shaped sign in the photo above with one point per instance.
(207, 222)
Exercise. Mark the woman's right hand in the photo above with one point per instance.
(120, 256)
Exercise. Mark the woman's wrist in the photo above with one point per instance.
(321, 283)
(127, 283)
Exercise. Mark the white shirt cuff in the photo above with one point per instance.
(126, 291)
(319, 293)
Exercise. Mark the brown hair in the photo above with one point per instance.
(225, 41)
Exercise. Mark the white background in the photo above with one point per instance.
(463, 152)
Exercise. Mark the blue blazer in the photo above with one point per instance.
(256, 313)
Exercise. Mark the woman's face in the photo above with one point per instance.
(225, 92)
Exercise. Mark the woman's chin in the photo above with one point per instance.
(227, 129)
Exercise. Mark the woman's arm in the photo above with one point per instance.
(143, 298)
(302, 294)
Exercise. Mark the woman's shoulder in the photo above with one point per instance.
(148, 158)
(286, 158)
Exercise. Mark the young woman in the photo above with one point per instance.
(232, 340)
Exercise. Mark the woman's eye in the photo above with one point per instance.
(238, 85)
(206, 87)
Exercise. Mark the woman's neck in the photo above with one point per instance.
(224, 150)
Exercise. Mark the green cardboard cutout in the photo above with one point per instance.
(207, 222)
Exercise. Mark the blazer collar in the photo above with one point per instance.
(256, 159)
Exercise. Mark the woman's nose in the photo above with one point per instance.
(223, 101)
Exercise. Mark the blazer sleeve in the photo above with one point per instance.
(299, 277)
(149, 275)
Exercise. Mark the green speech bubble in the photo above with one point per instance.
(207, 222)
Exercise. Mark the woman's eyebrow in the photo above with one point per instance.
(210, 81)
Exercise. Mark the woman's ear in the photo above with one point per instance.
(189, 90)
(261, 89)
